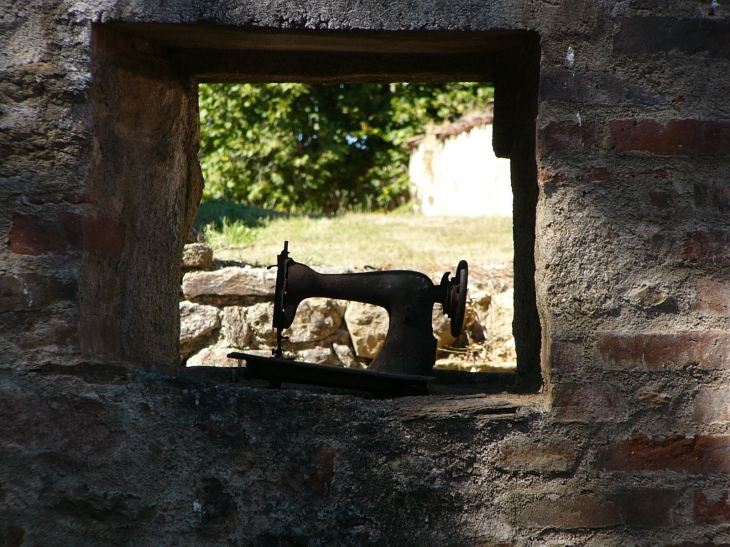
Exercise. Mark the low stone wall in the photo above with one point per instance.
(228, 307)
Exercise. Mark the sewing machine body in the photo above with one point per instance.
(409, 351)
(408, 297)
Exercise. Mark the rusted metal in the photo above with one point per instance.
(408, 297)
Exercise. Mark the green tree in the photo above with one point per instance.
(293, 147)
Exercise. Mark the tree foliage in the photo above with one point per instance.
(294, 147)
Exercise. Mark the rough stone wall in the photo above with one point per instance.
(627, 444)
(100, 173)
(230, 308)
(141, 194)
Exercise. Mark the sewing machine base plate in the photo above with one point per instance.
(276, 371)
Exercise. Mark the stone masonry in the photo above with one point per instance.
(230, 308)
(615, 115)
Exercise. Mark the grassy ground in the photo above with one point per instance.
(404, 240)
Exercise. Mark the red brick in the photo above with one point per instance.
(545, 176)
(566, 356)
(698, 246)
(698, 455)
(31, 291)
(660, 200)
(593, 175)
(711, 513)
(712, 406)
(36, 235)
(712, 196)
(570, 512)
(28, 420)
(103, 237)
(706, 349)
(545, 456)
(712, 297)
(676, 137)
(50, 332)
(566, 136)
(645, 507)
(704, 246)
(587, 403)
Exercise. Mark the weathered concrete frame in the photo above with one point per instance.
(145, 87)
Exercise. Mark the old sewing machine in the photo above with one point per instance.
(408, 354)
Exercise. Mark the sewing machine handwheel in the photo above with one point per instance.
(457, 298)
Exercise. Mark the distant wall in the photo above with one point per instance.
(461, 176)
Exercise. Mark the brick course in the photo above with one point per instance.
(659, 351)
(588, 403)
(712, 406)
(694, 455)
(675, 137)
(566, 136)
(711, 513)
(710, 246)
(37, 235)
(645, 508)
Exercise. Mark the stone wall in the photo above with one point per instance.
(457, 174)
(229, 308)
(615, 116)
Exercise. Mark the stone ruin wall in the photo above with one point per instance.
(229, 307)
(104, 439)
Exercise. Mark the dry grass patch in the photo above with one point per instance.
(358, 240)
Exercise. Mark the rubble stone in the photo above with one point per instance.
(197, 320)
(231, 281)
(316, 319)
(236, 329)
(442, 328)
(197, 256)
(346, 355)
(260, 319)
(320, 355)
(368, 326)
(213, 356)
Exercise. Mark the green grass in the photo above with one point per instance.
(233, 233)
(217, 211)
(357, 240)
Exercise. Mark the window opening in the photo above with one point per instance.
(356, 177)
(130, 291)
